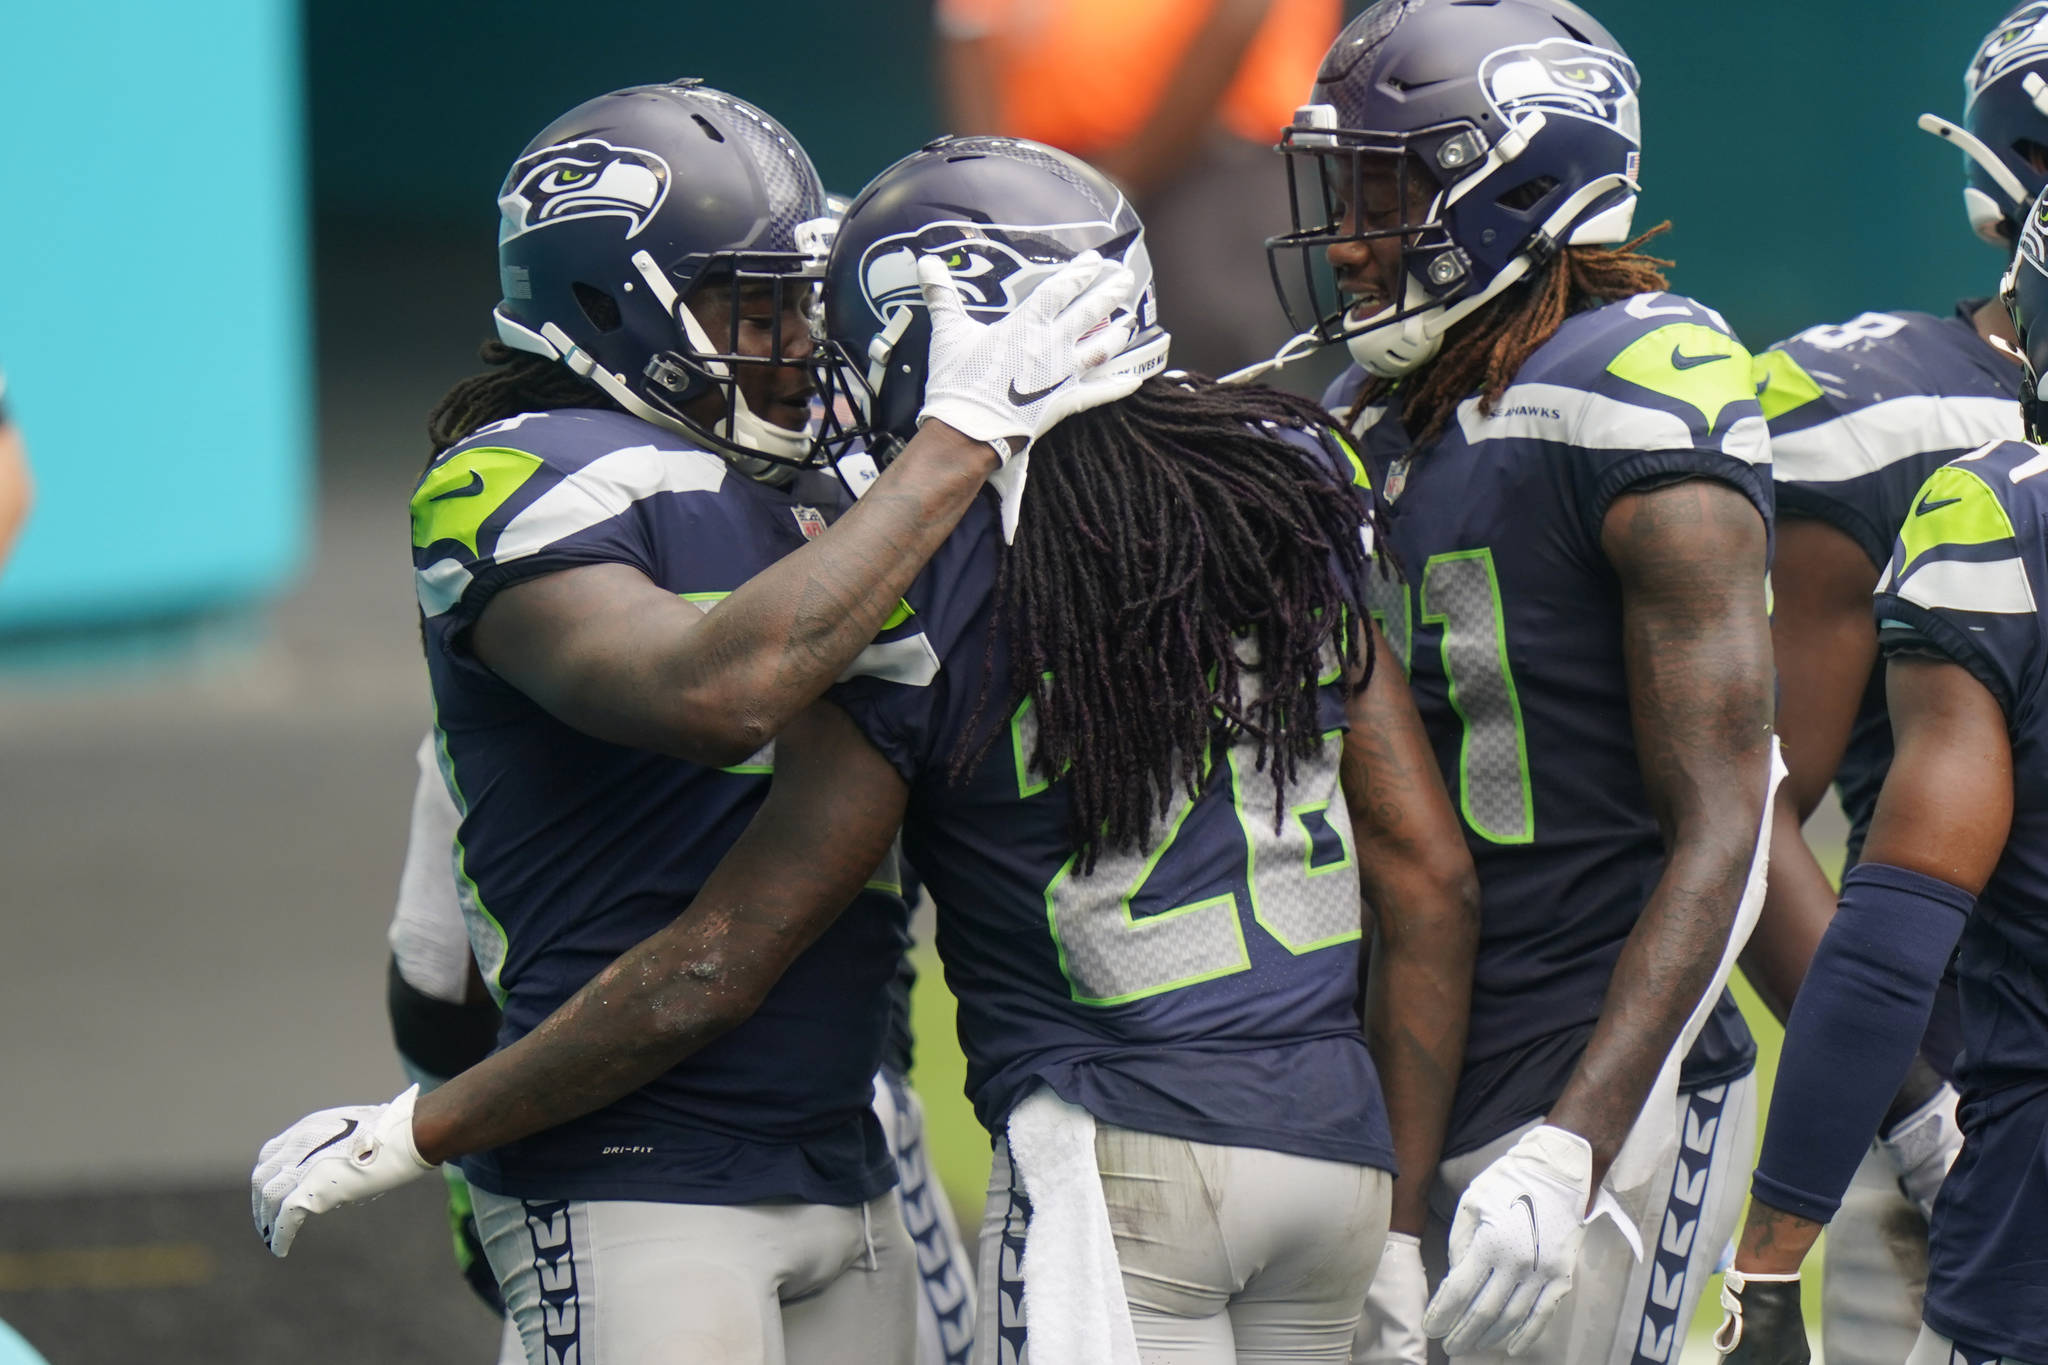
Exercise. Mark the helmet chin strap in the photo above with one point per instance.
(1413, 332)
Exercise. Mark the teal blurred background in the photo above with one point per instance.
(244, 246)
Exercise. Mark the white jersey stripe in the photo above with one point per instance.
(1594, 421)
(1973, 586)
(1873, 438)
(592, 495)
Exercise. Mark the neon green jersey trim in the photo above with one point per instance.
(1359, 478)
(455, 499)
(1689, 361)
(1782, 384)
(1955, 507)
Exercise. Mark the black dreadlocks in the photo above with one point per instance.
(518, 381)
(1178, 572)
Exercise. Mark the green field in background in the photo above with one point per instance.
(959, 1146)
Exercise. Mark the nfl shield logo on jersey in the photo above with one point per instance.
(809, 520)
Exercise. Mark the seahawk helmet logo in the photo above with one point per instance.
(1560, 76)
(995, 266)
(2034, 237)
(2022, 38)
(587, 178)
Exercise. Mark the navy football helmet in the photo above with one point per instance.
(623, 206)
(1002, 214)
(2025, 295)
(1515, 121)
(2005, 123)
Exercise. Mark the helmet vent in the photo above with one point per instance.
(1529, 194)
(709, 131)
(601, 308)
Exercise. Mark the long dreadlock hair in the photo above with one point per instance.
(1179, 576)
(1499, 338)
(518, 381)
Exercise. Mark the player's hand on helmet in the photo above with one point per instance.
(330, 1158)
(1390, 1333)
(1009, 381)
(1761, 1321)
(1514, 1245)
(1922, 1146)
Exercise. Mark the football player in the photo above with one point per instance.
(444, 1022)
(1574, 466)
(1145, 763)
(1955, 861)
(613, 633)
(1861, 413)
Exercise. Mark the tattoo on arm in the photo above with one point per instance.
(1690, 558)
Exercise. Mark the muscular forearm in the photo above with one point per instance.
(776, 644)
(1418, 879)
(646, 1012)
(1798, 903)
(1665, 967)
(1418, 1005)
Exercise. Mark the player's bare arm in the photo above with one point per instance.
(1944, 813)
(1690, 558)
(609, 652)
(1825, 644)
(709, 970)
(1418, 881)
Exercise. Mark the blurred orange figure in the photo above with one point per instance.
(1180, 101)
(16, 489)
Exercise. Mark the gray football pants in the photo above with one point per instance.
(1230, 1255)
(619, 1282)
(1876, 1271)
(1622, 1311)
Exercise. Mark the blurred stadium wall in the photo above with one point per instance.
(152, 306)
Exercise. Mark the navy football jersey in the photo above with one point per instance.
(1860, 414)
(1510, 625)
(1965, 582)
(1206, 988)
(571, 850)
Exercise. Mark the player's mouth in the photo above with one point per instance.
(1361, 299)
(790, 409)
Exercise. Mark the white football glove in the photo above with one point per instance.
(335, 1157)
(1514, 1245)
(1390, 1333)
(1922, 1148)
(1009, 381)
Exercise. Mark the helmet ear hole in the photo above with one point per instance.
(599, 307)
(1528, 194)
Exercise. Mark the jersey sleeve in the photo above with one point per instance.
(1863, 411)
(914, 692)
(1960, 583)
(535, 496)
(1663, 393)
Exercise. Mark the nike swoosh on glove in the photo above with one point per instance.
(1390, 1333)
(1008, 382)
(334, 1157)
(1922, 1146)
(1514, 1245)
(1761, 1321)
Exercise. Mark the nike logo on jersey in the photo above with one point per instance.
(468, 490)
(1681, 361)
(1925, 506)
(347, 1126)
(1025, 400)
